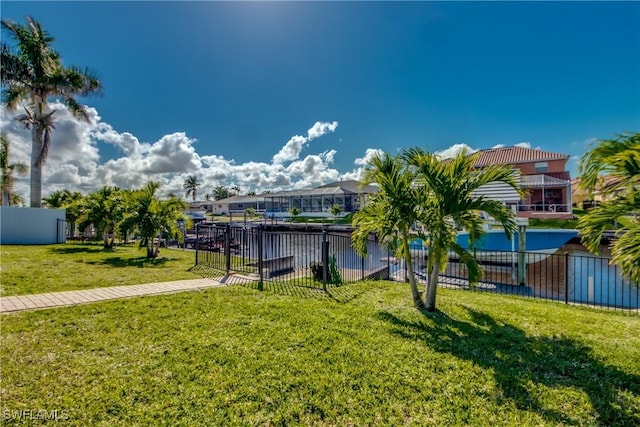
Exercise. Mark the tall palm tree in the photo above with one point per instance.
(390, 213)
(8, 169)
(191, 184)
(32, 76)
(618, 158)
(446, 200)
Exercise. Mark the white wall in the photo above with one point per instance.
(31, 226)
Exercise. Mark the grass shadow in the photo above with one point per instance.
(78, 250)
(139, 262)
(518, 360)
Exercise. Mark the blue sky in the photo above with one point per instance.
(219, 89)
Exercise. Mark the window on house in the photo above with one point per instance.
(542, 167)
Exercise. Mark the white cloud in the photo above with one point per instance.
(295, 145)
(172, 154)
(454, 150)
(321, 128)
(369, 154)
(524, 144)
(357, 174)
(291, 150)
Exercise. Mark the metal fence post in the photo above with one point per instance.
(260, 248)
(566, 277)
(325, 259)
(196, 242)
(227, 247)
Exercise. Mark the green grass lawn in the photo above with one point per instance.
(360, 355)
(52, 268)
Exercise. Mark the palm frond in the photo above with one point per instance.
(473, 268)
(626, 253)
(593, 224)
(617, 157)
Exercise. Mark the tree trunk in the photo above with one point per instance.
(108, 242)
(5, 197)
(36, 167)
(415, 293)
(433, 286)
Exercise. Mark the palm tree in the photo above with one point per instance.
(34, 75)
(55, 199)
(151, 216)
(618, 158)
(191, 184)
(390, 213)
(16, 200)
(105, 209)
(335, 211)
(220, 192)
(71, 202)
(7, 179)
(447, 200)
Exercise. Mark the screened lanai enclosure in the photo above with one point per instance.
(349, 195)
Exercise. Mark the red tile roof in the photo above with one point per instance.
(512, 155)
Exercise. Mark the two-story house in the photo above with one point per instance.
(543, 176)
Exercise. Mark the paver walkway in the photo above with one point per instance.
(66, 298)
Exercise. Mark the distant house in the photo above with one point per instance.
(543, 176)
(581, 198)
(318, 201)
(349, 195)
(237, 204)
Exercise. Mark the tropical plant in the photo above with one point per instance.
(55, 199)
(294, 211)
(221, 192)
(390, 213)
(617, 160)
(336, 210)
(151, 217)
(70, 202)
(335, 277)
(8, 170)
(191, 184)
(33, 75)
(447, 199)
(422, 196)
(235, 190)
(16, 200)
(104, 209)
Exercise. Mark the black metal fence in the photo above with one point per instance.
(560, 276)
(315, 259)
(321, 259)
